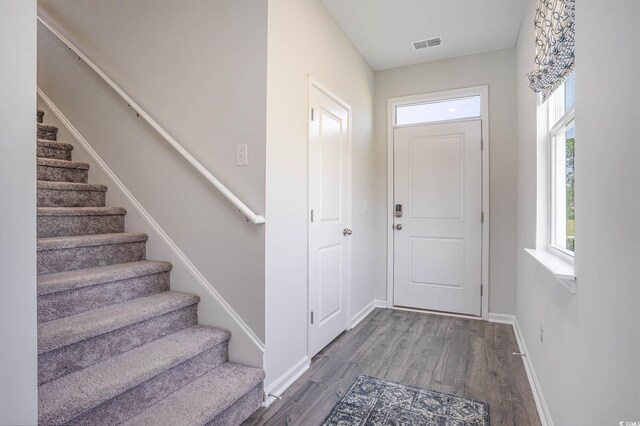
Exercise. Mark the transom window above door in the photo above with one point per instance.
(436, 111)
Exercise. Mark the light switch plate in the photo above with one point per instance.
(241, 155)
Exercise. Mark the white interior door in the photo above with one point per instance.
(329, 194)
(438, 237)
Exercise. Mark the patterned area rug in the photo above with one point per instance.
(370, 401)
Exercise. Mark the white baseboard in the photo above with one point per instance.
(541, 403)
(197, 275)
(362, 314)
(282, 383)
(501, 318)
(536, 389)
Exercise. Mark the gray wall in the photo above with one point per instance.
(497, 70)
(199, 68)
(588, 364)
(18, 356)
(305, 42)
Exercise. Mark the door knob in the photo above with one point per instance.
(399, 226)
(347, 231)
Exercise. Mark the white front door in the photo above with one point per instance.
(329, 194)
(438, 226)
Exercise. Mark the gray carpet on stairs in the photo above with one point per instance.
(66, 221)
(53, 170)
(58, 254)
(66, 194)
(115, 345)
(72, 292)
(54, 150)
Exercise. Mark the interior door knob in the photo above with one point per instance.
(399, 226)
(347, 231)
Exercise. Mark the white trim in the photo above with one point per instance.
(560, 266)
(282, 383)
(439, 313)
(563, 122)
(242, 207)
(364, 312)
(206, 285)
(483, 92)
(556, 101)
(313, 83)
(501, 318)
(536, 389)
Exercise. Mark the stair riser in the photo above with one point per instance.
(63, 198)
(241, 409)
(66, 360)
(51, 261)
(65, 226)
(71, 302)
(148, 393)
(62, 174)
(47, 133)
(54, 153)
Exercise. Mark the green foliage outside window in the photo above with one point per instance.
(571, 215)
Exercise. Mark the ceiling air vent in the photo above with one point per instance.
(430, 42)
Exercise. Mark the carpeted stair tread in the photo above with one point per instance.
(75, 328)
(203, 399)
(63, 164)
(53, 149)
(46, 126)
(55, 144)
(71, 186)
(81, 211)
(65, 398)
(70, 194)
(70, 221)
(45, 131)
(56, 243)
(61, 170)
(70, 280)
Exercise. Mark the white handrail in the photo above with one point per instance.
(246, 211)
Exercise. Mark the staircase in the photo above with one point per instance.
(115, 345)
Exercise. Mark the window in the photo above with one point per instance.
(429, 112)
(562, 138)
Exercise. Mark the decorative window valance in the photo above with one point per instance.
(555, 45)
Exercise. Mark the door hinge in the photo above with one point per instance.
(481, 290)
(481, 144)
(312, 114)
(311, 215)
(481, 217)
(311, 317)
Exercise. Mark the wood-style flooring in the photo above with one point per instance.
(458, 356)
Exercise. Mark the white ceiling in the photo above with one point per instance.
(382, 30)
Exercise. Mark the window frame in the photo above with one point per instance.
(438, 101)
(563, 122)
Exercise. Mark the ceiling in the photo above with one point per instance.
(382, 30)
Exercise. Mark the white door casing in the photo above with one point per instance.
(438, 250)
(329, 218)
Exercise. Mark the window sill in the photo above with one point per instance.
(560, 268)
